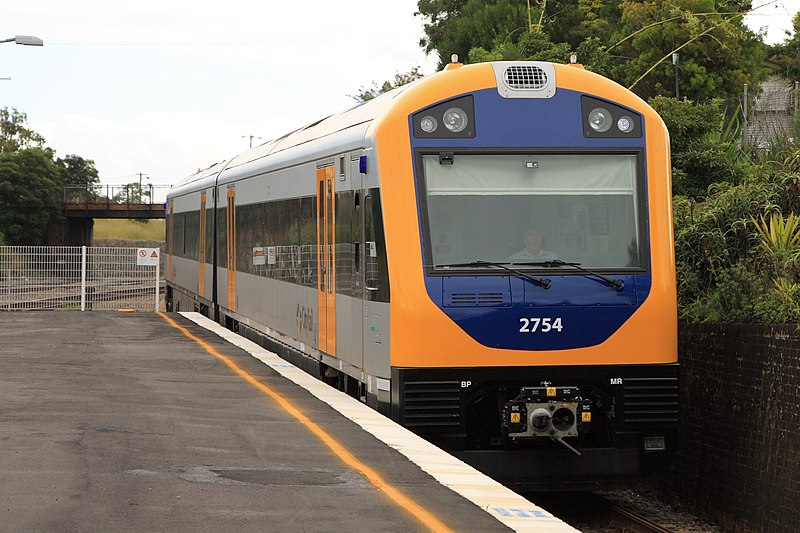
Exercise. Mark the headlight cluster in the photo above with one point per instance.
(604, 119)
(454, 118)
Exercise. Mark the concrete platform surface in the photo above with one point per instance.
(120, 422)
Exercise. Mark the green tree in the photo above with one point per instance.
(786, 55)
(704, 143)
(30, 194)
(718, 54)
(78, 171)
(79, 176)
(400, 79)
(14, 133)
(457, 26)
(630, 41)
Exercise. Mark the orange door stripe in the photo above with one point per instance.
(394, 494)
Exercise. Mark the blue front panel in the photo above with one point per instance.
(529, 123)
(508, 311)
(581, 311)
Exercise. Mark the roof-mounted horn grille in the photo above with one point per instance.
(530, 79)
(525, 77)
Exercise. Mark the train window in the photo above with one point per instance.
(376, 273)
(178, 234)
(222, 236)
(344, 242)
(191, 235)
(209, 244)
(357, 235)
(584, 206)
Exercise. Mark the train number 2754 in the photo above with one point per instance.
(540, 325)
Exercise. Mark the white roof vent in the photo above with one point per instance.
(525, 80)
(525, 77)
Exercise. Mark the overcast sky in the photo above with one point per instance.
(165, 87)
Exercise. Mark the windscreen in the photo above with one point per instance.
(521, 208)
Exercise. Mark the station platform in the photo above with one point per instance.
(168, 422)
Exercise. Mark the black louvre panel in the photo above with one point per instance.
(432, 404)
(651, 401)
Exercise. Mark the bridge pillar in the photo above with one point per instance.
(70, 232)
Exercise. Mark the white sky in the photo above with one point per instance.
(165, 87)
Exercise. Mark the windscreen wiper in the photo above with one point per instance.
(617, 284)
(545, 283)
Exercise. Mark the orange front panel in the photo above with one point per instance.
(423, 336)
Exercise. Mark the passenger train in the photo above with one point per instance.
(485, 255)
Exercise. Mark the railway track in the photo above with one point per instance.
(65, 296)
(632, 522)
(592, 513)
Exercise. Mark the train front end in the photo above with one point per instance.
(533, 315)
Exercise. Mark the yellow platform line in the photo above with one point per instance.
(394, 494)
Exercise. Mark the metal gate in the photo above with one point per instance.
(79, 278)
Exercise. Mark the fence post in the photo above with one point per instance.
(83, 278)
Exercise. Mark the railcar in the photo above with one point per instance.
(484, 255)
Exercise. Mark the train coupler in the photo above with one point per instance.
(547, 412)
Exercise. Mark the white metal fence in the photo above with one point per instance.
(79, 278)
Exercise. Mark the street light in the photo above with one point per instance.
(26, 40)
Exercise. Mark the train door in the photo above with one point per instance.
(326, 259)
(231, 247)
(357, 233)
(201, 259)
(170, 238)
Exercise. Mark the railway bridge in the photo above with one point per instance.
(83, 204)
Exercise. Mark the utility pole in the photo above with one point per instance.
(141, 174)
(251, 138)
(675, 62)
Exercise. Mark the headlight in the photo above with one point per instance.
(455, 119)
(600, 119)
(625, 124)
(428, 124)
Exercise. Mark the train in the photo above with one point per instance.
(484, 255)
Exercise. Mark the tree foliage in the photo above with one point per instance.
(14, 133)
(725, 271)
(705, 148)
(78, 171)
(32, 181)
(30, 194)
(629, 41)
(400, 79)
(786, 55)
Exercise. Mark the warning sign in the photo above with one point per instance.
(258, 256)
(147, 257)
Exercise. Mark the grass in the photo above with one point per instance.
(131, 230)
